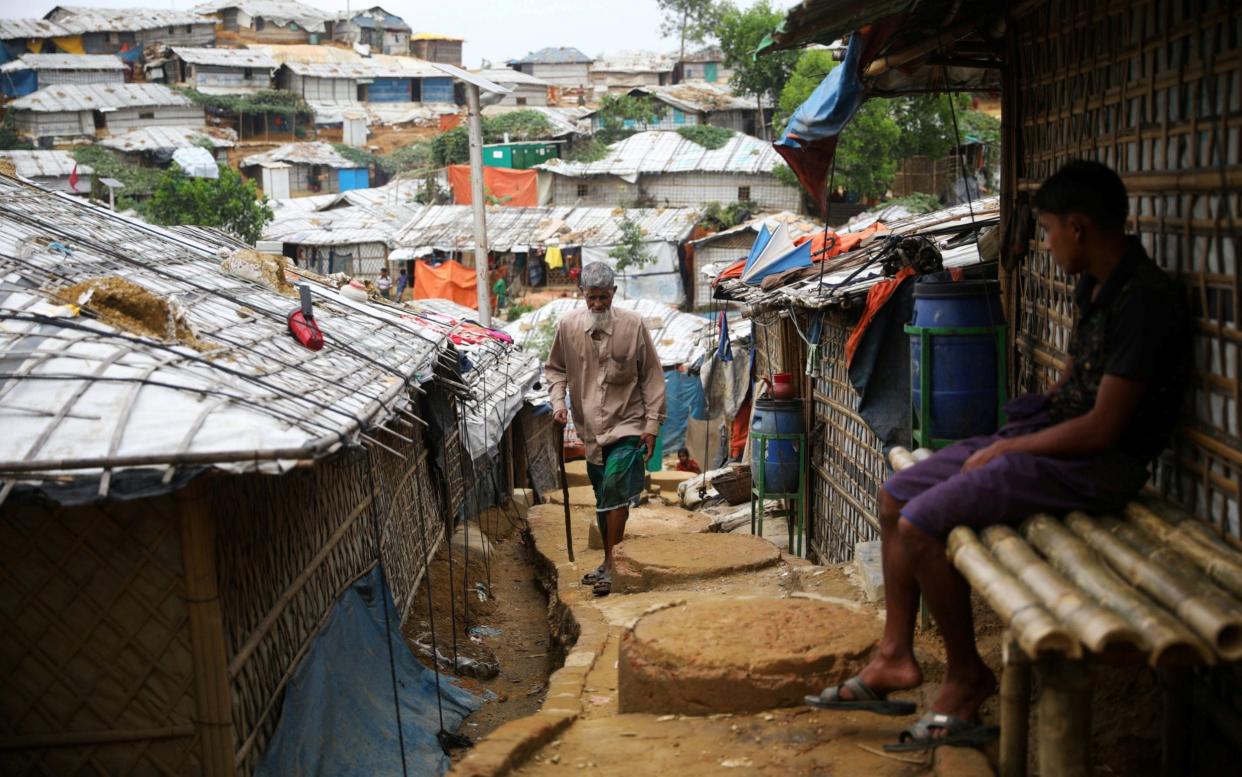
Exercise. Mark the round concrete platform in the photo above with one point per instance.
(579, 496)
(740, 655)
(652, 519)
(644, 563)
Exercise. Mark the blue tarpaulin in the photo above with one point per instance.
(437, 90)
(17, 83)
(338, 716)
(683, 394)
(389, 90)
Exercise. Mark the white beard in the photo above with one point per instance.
(599, 321)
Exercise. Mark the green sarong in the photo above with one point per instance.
(618, 482)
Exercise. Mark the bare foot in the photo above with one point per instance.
(963, 692)
(884, 674)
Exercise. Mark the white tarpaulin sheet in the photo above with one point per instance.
(659, 281)
(196, 162)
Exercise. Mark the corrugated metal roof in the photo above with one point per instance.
(634, 62)
(348, 225)
(168, 138)
(451, 227)
(227, 57)
(649, 153)
(278, 12)
(79, 19)
(44, 164)
(308, 153)
(507, 75)
(64, 62)
(374, 17)
(564, 121)
(86, 97)
(553, 55)
(797, 224)
(334, 62)
(30, 28)
(699, 97)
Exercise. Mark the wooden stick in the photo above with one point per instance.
(1169, 578)
(1096, 627)
(1166, 638)
(1034, 628)
(1217, 565)
(1015, 710)
(212, 695)
(1064, 739)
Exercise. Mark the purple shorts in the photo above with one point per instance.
(938, 496)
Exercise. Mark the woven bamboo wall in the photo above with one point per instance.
(1152, 88)
(847, 462)
(95, 642)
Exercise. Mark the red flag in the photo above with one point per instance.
(73, 177)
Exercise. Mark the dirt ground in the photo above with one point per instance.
(516, 606)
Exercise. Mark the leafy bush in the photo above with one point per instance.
(723, 216)
(707, 136)
(591, 150)
(785, 175)
(228, 202)
(139, 182)
(265, 101)
(9, 139)
(517, 310)
(631, 251)
(918, 203)
(453, 147)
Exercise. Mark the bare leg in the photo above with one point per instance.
(893, 666)
(968, 681)
(616, 532)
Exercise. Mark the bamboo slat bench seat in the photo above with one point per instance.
(1148, 586)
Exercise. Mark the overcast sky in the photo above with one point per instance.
(495, 30)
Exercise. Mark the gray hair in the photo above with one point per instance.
(597, 275)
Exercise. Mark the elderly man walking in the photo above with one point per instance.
(605, 359)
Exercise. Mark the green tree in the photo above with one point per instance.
(228, 202)
(631, 251)
(740, 32)
(9, 139)
(687, 20)
(615, 110)
(453, 147)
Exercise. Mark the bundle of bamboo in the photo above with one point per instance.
(1218, 562)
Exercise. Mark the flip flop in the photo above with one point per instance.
(865, 699)
(603, 585)
(958, 732)
(590, 577)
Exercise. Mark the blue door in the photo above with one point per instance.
(353, 178)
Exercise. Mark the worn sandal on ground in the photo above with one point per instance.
(603, 585)
(864, 699)
(590, 577)
(957, 732)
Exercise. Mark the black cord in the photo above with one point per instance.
(961, 158)
(823, 260)
(383, 593)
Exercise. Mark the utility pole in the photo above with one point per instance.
(479, 207)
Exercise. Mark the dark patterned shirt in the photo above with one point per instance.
(1135, 327)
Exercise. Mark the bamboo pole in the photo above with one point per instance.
(1064, 739)
(1199, 530)
(212, 694)
(1096, 627)
(923, 454)
(900, 458)
(1168, 578)
(1214, 563)
(1033, 627)
(1166, 638)
(1015, 709)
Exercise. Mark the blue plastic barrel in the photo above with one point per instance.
(780, 469)
(963, 366)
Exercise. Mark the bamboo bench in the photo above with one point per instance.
(1150, 586)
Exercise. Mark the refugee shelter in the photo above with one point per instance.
(267, 21)
(563, 67)
(706, 65)
(353, 239)
(29, 35)
(624, 70)
(127, 31)
(668, 170)
(525, 89)
(188, 491)
(433, 47)
(156, 145)
(327, 76)
(688, 104)
(300, 169)
(713, 253)
(32, 72)
(217, 71)
(55, 171)
(381, 31)
(72, 112)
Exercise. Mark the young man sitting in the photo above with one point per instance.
(1085, 445)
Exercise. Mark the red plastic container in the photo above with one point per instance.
(783, 386)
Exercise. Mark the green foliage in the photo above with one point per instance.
(808, 71)
(719, 216)
(689, 21)
(631, 251)
(9, 139)
(740, 32)
(517, 310)
(918, 202)
(616, 109)
(785, 175)
(139, 182)
(228, 202)
(453, 147)
(591, 150)
(265, 101)
(358, 156)
(706, 135)
(416, 156)
(541, 341)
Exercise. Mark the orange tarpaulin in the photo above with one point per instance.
(451, 280)
(501, 186)
(836, 244)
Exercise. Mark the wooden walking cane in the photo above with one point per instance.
(569, 534)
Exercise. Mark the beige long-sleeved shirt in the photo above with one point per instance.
(615, 381)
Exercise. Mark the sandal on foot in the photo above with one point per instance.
(590, 577)
(603, 585)
(957, 732)
(864, 699)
